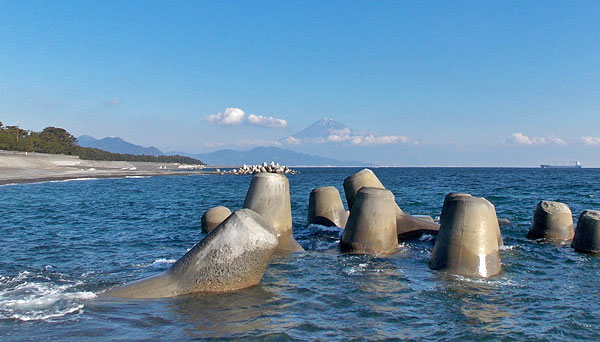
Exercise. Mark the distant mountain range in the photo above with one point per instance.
(267, 154)
(117, 145)
(318, 131)
(321, 129)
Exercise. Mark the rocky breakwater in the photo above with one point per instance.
(270, 168)
(233, 256)
(190, 166)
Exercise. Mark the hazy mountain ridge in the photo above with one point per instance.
(228, 157)
(117, 145)
(321, 129)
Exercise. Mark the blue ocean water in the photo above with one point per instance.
(62, 242)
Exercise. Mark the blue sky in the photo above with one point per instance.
(463, 83)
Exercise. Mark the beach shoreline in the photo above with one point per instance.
(24, 176)
(21, 168)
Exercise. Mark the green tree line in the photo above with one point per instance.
(58, 141)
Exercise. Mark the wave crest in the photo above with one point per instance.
(28, 297)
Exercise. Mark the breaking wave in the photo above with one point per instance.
(29, 297)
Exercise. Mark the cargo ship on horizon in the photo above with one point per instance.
(577, 165)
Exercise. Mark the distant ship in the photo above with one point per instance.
(577, 165)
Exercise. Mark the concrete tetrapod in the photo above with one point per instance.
(498, 231)
(371, 227)
(325, 207)
(552, 221)
(454, 195)
(587, 234)
(424, 217)
(467, 243)
(407, 226)
(233, 256)
(269, 195)
(357, 181)
(213, 217)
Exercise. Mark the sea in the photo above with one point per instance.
(61, 243)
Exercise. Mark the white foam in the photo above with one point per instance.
(24, 299)
(52, 181)
(333, 229)
(351, 270)
(325, 245)
(492, 281)
(162, 262)
(508, 248)
(402, 244)
(426, 237)
(356, 269)
(42, 317)
(72, 179)
(137, 177)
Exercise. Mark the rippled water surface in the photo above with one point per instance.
(62, 242)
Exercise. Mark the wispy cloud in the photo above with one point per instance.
(349, 136)
(231, 116)
(382, 140)
(46, 104)
(557, 141)
(522, 139)
(112, 102)
(256, 142)
(242, 143)
(259, 120)
(213, 144)
(590, 141)
(292, 141)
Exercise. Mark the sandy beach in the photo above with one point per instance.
(20, 167)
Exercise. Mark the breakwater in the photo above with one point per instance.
(78, 238)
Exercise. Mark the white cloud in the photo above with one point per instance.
(386, 139)
(382, 140)
(256, 142)
(346, 135)
(231, 116)
(236, 116)
(292, 141)
(213, 144)
(356, 140)
(558, 141)
(591, 141)
(343, 131)
(337, 138)
(270, 121)
(242, 143)
(522, 139)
